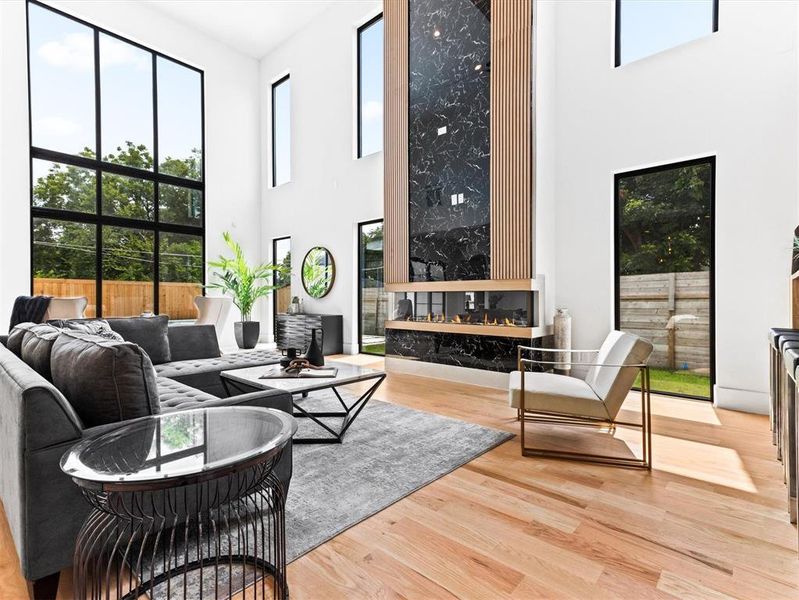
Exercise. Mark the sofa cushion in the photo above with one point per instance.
(90, 326)
(15, 337)
(174, 395)
(104, 380)
(151, 333)
(37, 345)
(203, 373)
(188, 342)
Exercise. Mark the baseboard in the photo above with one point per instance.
(489, 379)
(742, 400)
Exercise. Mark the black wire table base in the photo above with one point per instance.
(211, 539)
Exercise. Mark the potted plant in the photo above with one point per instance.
(246, 284)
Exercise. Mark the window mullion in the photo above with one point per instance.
(156, 193)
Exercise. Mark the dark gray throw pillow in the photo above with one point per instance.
(89, 326)
(37, 345)
(151, 333)
(104, 380)
(15, 337)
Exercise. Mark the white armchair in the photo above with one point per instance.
(594, 401)
(66, 308)
(213, 310)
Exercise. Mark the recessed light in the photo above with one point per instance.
(436, 33)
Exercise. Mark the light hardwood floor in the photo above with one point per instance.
(710, 520)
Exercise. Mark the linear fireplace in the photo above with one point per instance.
(479, 308)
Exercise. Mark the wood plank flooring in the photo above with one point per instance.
(710, 521)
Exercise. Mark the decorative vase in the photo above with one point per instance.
(247, 333)
(563, 339)
(314, 352)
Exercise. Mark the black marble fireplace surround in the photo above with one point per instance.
(448, 140)
(489, 353)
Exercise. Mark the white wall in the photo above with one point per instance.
(731, 94)
(232, 130)
(330, 190)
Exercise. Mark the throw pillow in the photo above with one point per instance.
(89, 326)
(15, 337)
(151, 333)
(104, 380)
(37, 345)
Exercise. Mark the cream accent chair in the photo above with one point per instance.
(213, 310)
(66, 308)
(594, 401)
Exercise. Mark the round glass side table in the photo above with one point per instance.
(185, 505)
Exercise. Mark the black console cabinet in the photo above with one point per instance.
(294, 331)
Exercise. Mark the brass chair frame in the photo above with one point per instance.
(555, 418)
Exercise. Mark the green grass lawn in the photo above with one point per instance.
(678, 382)
(374, 348)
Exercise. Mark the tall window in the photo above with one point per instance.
(117, 186)
(281, 257)
(281, 131)
(370, 87)
(372, 296)
(645, 27)
(664, 271)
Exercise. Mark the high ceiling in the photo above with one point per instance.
(253, 27)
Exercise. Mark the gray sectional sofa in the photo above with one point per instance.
(38, 423)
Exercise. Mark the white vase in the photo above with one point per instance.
(563, 339)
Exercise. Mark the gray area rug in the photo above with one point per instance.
(387, 453)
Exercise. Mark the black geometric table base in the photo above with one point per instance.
(348, 414)
(204, 540)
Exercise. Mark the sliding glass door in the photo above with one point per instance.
(664, 270)
(372, 297)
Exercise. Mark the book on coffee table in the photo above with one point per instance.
(279, 373)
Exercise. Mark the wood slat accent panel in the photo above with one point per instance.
(511, 139)
(395, 136)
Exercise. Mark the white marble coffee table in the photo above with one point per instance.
(240, 381)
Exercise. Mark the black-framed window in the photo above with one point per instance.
(370, 87)
(372, 295)
(117, 170)
(281, 257)
(665, 276)
(281, 131)
(646, 27)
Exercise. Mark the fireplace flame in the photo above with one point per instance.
(509, 323)
(485, 318)
(456, 319)
(429, 317)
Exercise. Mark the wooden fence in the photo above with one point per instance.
(375, 307)
(648, 303)
(126, 298)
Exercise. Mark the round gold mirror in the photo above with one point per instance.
(318, 272)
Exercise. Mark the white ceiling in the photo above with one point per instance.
(253, 27)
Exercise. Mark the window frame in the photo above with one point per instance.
(272, 121)
(358, 95)
(709, 160)
(98, 166)
(360, 267)
(275, 242)
(617, 33)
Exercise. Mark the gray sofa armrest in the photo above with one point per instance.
(191, 342)
(4, 340)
